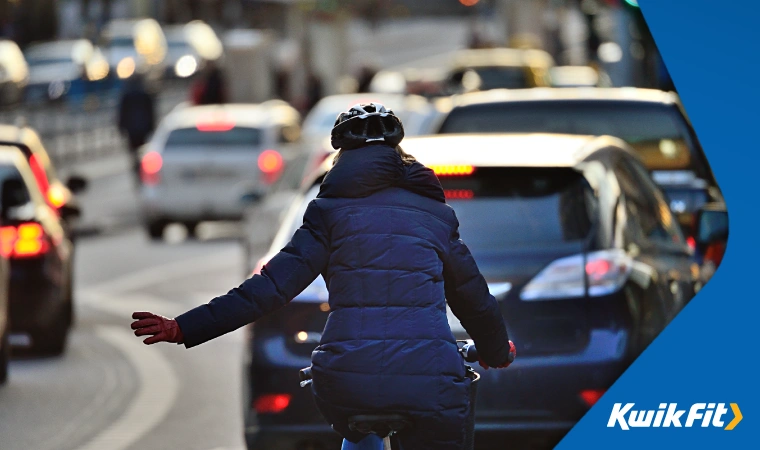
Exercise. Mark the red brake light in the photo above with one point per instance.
(450, 170)
(272, 403)
(211, 127)
(598, 268)
(26, 240)
(270, 161)
(591, 396)
(150, 166)
(691, 242)
(458, 194)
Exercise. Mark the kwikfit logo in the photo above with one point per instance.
(668, 415)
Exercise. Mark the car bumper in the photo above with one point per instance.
(159, 205)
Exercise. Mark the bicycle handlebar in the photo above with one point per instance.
(468, 351)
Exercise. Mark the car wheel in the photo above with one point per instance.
(155, 230)
(5, 357)
(191, 227)
(52, 341)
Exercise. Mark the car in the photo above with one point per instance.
(59, 69)
(577, 245)
(33, 238)
(578, 76)
(14, 73)
(59, 195)
(189, 48)
(653, 122)
(498, 68)
(5, 323)
(204, 161)
(135, 45)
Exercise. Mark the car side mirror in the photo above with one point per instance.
(13, 196)
(76, 184)
(711, 225)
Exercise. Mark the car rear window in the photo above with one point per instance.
(501, 78)
(502, 208)
(658, 133)
(521, 207)
(233, 137)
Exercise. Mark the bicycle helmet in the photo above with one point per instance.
(366, 124)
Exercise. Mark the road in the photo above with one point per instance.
(111, 391)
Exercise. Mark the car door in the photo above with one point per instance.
(652, 237)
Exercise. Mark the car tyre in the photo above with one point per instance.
(155, 230)
(52, 341)
(5, 356)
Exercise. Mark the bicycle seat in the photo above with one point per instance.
(380, 424)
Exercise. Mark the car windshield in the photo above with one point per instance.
(42, 61)
(122, 41)
(501, 78)
(511, 208)
(213, 136)
(657, 132)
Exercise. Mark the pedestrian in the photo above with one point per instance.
(137, 116)
(387, 244)
(211, 86)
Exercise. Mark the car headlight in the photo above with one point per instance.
(126, 67)
(185, 66)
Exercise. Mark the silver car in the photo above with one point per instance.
(205, 162)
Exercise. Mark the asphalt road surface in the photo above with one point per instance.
(109, 391)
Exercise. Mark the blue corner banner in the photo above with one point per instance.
(702, 372)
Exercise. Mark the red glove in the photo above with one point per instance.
(510, 359)
(161, 328)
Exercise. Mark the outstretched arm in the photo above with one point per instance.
(469, 299)
(281, 279)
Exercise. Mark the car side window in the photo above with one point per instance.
(656, 199)
(650, 215)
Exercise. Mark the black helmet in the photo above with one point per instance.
(363, 124)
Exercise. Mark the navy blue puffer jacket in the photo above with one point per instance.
(388, 247)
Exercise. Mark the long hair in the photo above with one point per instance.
(406, 158)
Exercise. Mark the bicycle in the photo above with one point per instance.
(380, 427)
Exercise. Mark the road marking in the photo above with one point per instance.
(157, 274)
(158, 387)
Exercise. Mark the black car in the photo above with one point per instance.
(33, 238)
(652, 122)
(577, 245)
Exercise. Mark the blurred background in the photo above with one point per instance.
(154, 154)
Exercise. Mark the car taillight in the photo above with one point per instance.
(150, 167)
(56, 196)
(39, 173)
(453, 170)
(23, 241)
(591, 396)
(272, 403)
(603, 272)
(270, 163)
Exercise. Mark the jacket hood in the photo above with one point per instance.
(363, 171)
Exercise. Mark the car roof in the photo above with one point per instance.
(498, 150)
(508, 150)
(341, 102)
(11, 155)
(507, 57)
(250, 115)
(624, 94)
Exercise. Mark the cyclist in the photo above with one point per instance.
(387, 244)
